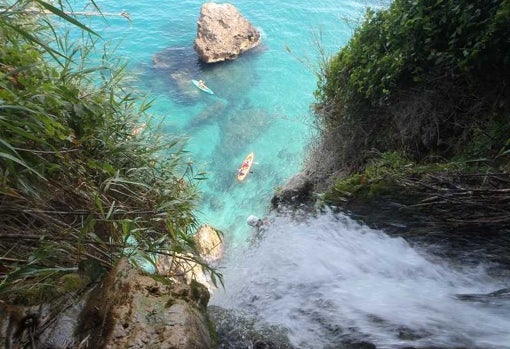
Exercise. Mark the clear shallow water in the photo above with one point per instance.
(261, 102)
(322, 278)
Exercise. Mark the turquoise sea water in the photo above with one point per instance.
(261, 102)
(322, 279)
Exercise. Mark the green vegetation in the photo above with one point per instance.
(425, 79)
(412, 38)
(81, 183)
(421, 77)
(386, 173)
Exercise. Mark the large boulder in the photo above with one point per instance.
(183, 267)
(132, 310)
(126, 309)
(209, 243)
(223, 33)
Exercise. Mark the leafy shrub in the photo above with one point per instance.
(419, 77)
(410, 38)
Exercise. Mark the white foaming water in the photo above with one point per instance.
(329, 277)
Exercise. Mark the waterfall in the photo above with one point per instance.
(327, 278)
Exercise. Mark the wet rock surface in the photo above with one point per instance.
(296, 191)
(126, 309)
(236, 331)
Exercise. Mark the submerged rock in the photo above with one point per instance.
(210, 114)
(223, 33)
(180, 59)
(242, 127)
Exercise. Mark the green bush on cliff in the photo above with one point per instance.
(384, 174)
(424, 77)
(411, 38)
(80, 181)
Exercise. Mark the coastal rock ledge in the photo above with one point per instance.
(223, 33)
(298, 190)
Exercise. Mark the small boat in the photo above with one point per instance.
(202, 86)
(243, 171)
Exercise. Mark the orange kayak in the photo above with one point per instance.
(243, 171)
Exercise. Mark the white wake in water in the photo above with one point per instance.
(329, 277)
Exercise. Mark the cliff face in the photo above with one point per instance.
(126, 309)
(411, 81)
(415, 110)
(133, 310)
(101, 191)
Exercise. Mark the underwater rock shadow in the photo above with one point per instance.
(171, 72)
(173, 68)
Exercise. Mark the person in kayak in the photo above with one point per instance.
(241, 171)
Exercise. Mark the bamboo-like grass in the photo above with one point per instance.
(79, 182)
